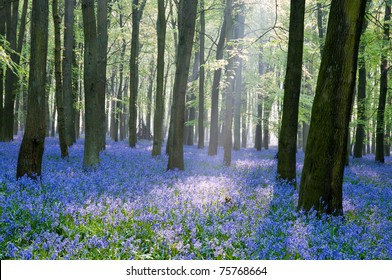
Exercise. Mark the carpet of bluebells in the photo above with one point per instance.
(132, 208)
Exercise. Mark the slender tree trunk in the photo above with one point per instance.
(320, 25)
(200, 143)
(266, 119)
(11, 9)
(102, 41)
(322, 174)
(32, 147)
(244, 120)
(120, 90)
(159, 96)
(2, 33)
(288, 133)
(187, 20)
(305, 133)
(230, 79)
(361, 99)
(149, 99)
(115, 90)
(214, 127)
(77, 87)
(124, 114)
(192, 98)
(383, 89)
(239, 30)
(137, 12)
(68, 60)
(58, 78)
(258, 131)
(92, 143)
(17, 87)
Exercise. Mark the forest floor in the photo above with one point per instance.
(132, 208)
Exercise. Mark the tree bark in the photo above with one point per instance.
(11, 10)
(322, 174)
(92, 145)
(137, 12)
(361, 98)
(239, 30)
(230, 79)
(68, 58)
(102, 38)
(288, 134)
(32, 147)
(149, 99)
(58, 78)
(200, 143)
(383, 89)
(258, 131)
(2, 33)
(214, 127)
(244, 123)
(192, 97)
(187, 20)
(159, 96)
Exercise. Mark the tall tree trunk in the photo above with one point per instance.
(239, 30)
(186, 23)
(322, 174)
(192, 98)
(159, 96)
(320, 26)
(288, 133)
(124, 113)
(244, 118)
(200, 143)
(68, 58)
(137, 12)
(230, 79)
(258, 131)
(77, 86)
(102, 37)
(268, 101)
(2, 33)
(92, 143)
(361, 99)
(113, 105)
(149, 99)
(58, 78)
(305, 134)
(11, 9)
(214, 127)
(120, 92)
(383, 88)
(32, 147)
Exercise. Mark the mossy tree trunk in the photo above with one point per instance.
(288, 134)
(159, 95)
(380, 130)
(58, 78)
(68, 58)
(32, 147)
(137, 12)
(326, 150)
(102, 38)
(2, 33)
(361, 98)
(91, 145)
(186, 22)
